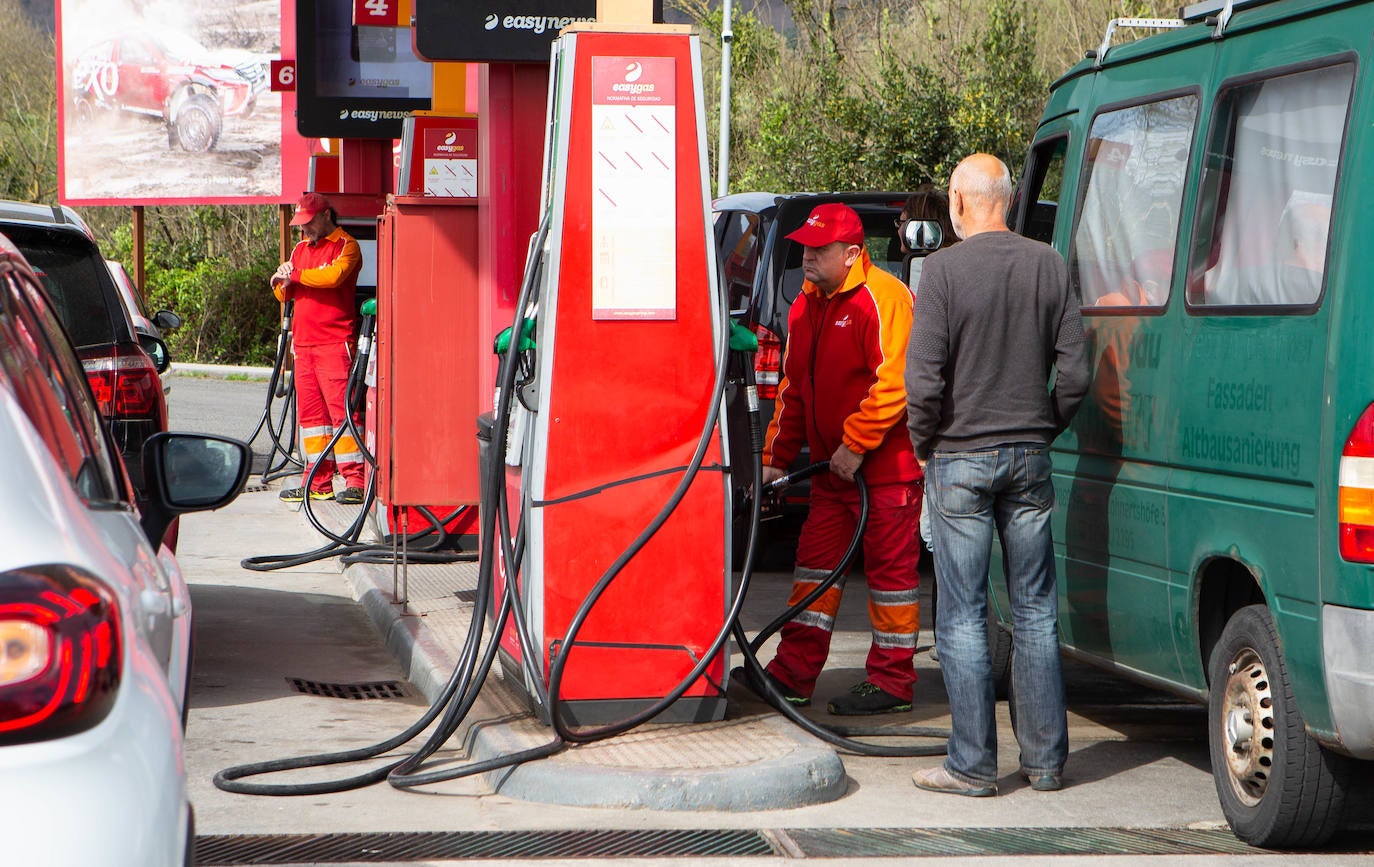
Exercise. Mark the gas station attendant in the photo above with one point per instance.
(842, 393)
(320, 279)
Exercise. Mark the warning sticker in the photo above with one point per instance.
(450, 162)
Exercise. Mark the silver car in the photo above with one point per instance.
(95, 624)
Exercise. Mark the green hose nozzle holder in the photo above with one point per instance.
(502, 342)
(369, 307)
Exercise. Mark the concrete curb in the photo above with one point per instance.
(810, 774)
(220, 371)
(424, 659)
(807, 773)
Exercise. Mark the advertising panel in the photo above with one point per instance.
(172, 102)
(498, 31)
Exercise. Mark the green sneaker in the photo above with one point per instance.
(296, 495)
(349, 496)
(867, 698)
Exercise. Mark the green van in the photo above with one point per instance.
(1214, 532)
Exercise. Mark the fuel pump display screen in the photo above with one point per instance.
(355, 81)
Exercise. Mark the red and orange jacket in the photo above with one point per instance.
(843, 373)
(324, 277)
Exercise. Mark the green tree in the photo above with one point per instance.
(28, 111)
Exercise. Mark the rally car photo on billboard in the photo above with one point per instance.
(168, 78)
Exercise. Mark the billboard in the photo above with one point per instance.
(171, 102)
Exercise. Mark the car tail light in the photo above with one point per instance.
(59, 653)
(125, 383)
(767, 363)
(1356, 493)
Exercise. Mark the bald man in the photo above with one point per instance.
(995, 325)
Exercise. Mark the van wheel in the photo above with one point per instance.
(198, 123)
(1278, 787)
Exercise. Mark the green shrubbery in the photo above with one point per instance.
(211, 266)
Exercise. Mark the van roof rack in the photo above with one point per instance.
(1100, 52)
(1200, 11)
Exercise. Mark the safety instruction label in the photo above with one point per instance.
(450, 163)
(634, 188)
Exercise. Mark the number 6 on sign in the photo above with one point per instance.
(376, 13)
(283, 74)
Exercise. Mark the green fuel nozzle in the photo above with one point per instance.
(502, 342)
(742, 339)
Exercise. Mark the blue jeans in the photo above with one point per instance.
(968, 493)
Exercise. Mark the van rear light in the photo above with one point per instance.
(767, 363)
(1356, 492)
(125, 383)
(59, 653)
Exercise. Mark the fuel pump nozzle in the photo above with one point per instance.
(776, 486)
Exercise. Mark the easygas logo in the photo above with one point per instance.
(632, 84)
(537, 23)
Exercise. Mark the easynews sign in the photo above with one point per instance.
(513, 31)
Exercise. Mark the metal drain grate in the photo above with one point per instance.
(354, 691)
(990, 842)
(519, 845)
(254, 489)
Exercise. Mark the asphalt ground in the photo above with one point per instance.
(1137, 784)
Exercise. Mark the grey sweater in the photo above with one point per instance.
(994, 316)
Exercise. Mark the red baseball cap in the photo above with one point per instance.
(829, 223)
(306, 209)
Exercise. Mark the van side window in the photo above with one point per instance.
(1123, 247)
(1264, 206)
(1044, 185)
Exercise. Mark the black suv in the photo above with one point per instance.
(762, 274)
(117, 360)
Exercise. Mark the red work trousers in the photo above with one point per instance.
(890, 553)
(321, 403)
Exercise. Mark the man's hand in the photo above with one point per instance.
(845, 463)
(283, 273)
(772, 474)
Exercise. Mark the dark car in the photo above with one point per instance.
(123, 376)
(762, 274)
(175, 81)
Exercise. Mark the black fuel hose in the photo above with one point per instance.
(465, 680)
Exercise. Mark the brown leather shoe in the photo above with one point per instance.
(941, 780)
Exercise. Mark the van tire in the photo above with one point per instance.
(1282, 791)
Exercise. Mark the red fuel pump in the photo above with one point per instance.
(628, 325)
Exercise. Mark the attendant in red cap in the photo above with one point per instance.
(321, 278)
(842, 394)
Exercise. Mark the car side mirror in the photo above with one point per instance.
(166, 320)
(157, 351)
(190, 472)
(922, 235)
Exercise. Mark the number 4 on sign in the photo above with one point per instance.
(376, 13)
